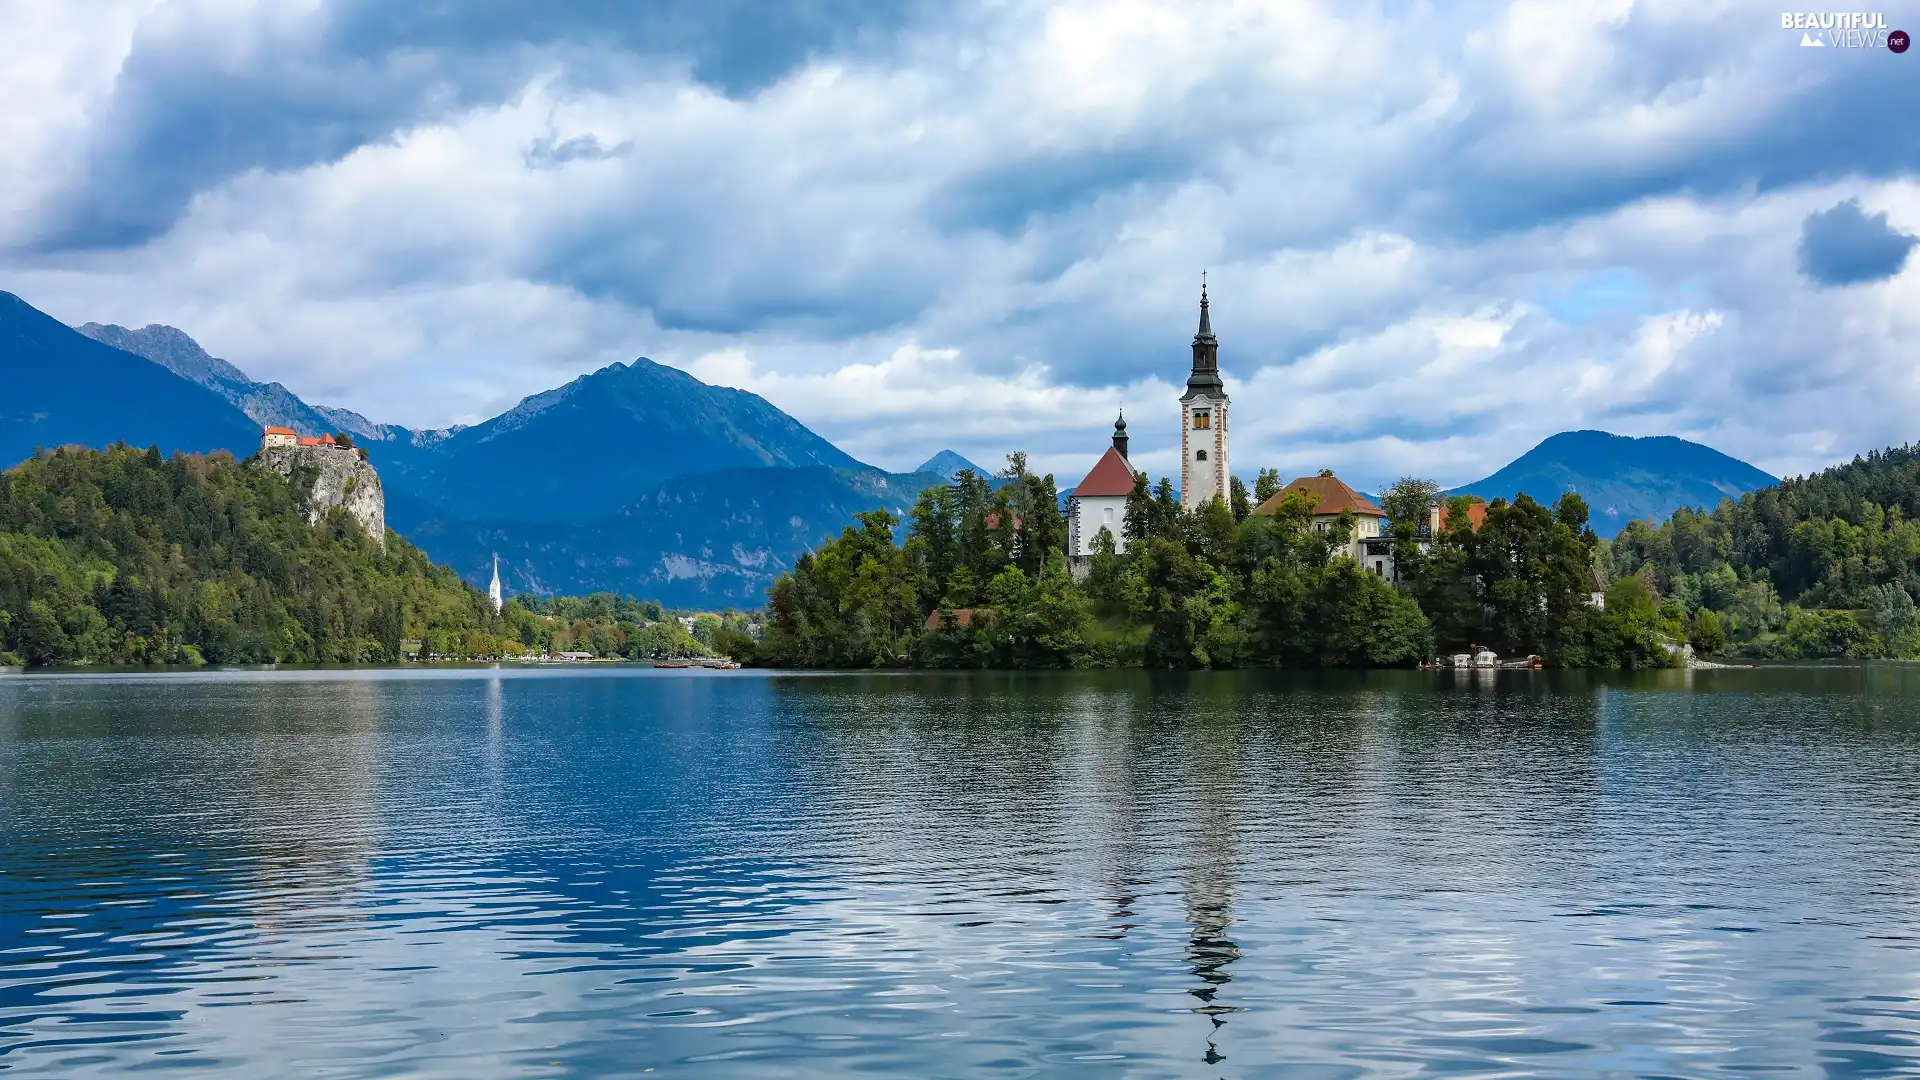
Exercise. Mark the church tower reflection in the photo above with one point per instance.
(1208, 887)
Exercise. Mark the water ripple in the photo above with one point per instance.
(489, 873)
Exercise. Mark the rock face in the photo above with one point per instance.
(342, 480)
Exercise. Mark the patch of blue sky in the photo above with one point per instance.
(1610, 290)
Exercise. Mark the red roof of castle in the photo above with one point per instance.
(281, 431)
(1110, 476)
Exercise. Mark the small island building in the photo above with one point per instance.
(1331, 498)
(1376, 553)
(1100, 503)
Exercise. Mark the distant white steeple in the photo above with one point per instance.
(493, 590)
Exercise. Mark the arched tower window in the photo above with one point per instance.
(1200, 456)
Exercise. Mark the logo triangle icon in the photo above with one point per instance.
(1808, 41)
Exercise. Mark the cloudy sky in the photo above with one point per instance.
(1435, 232)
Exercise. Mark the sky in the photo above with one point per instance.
(1434, 233)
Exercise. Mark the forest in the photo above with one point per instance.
(1820, 566)
(121, 557)
(977, 576)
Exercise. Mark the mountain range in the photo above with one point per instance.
(636, 478)
(1623, 478)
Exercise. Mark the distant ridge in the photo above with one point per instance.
(263, 403)
(1623, 478)
(949, 464)
(709, 540)
(60, 387)
(588, 449)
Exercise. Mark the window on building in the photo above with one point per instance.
(1202, 419)
(1200, 455)
(1109, 514)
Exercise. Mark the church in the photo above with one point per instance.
(1100, 502)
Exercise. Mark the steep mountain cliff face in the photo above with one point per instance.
(264, 403)
(58, 387)
(341, 480)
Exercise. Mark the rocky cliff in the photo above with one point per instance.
(341, 479)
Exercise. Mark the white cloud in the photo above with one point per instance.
(988, 235)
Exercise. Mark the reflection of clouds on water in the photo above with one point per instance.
(306, 810)
(496, 729)
(829, 875)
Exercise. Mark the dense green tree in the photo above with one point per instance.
(852, 603)
(1266, 485)
(124, 557)
(1706, 633)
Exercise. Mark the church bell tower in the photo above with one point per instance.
(1203, 420)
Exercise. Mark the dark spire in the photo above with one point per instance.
(1120, 433)
(1206, 352)
(1205, 333)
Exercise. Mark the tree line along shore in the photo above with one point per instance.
(1821, 567)
(123, 557)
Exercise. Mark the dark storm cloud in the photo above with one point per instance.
(1511, 165)
(179, 122)
(735, 46)
(547, 153)
(1847, 246)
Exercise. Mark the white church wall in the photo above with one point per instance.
(1091, 514)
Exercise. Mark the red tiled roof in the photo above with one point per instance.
(281, 431)
(1332, 494)
(961, 617)
(1110, 476)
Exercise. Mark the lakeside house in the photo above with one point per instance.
(1332, 497)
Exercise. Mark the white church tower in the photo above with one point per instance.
(1203, 420)
(493, 589)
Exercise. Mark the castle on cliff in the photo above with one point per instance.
(285, 437)
(342, 478)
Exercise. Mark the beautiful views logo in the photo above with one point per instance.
(1845, 30)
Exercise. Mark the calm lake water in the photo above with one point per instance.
(616, 872)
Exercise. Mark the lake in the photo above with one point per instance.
(619, 872)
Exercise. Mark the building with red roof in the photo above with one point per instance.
(1331, 498)
(1100, 502)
